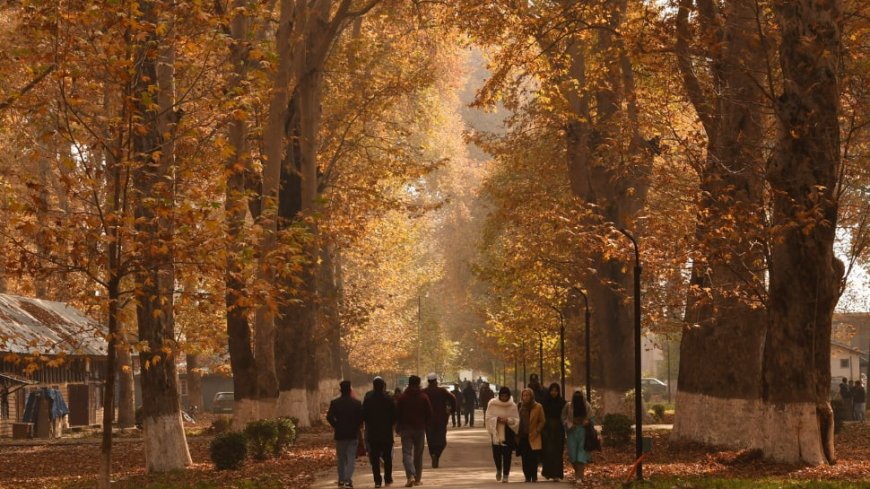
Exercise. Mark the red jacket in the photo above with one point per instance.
(414, 409)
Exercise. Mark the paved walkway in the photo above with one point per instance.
(466, 463)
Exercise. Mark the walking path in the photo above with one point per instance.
(466, 463)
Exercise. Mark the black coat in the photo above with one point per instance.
(379, 414)
(469, 397)
(345, 415)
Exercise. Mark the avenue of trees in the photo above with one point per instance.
(299, 190)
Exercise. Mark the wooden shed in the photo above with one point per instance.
(49, 344)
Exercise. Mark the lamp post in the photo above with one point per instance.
(562, 348)
(588, 346)
(419, 329)
(638, 430)
(525, 379)
(541, 356)
(669, 368)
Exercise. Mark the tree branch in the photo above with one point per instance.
(15, 96)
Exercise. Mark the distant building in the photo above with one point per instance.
(49, 344)
(850, 345)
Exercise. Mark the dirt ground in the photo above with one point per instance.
(74, 463)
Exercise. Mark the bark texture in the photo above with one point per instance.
(804, 273)
(613, 177)
(273, 145)
(238, 167)
(721, 346)
(153, 182)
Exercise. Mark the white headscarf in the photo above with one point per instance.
(501, 409)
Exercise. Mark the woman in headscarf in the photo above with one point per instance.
(531, 425)
(553, 435)
(576, 416)
(502, 422)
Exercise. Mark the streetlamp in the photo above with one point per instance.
(561, 345)
(638, 430)
(525, 380)
(419, 329)
(588, 345)
(541, 356)
(668, 344)
(562, 348)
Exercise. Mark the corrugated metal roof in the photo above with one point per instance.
(34, 325)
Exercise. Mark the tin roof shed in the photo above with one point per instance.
(50, 328)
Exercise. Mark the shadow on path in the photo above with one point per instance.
(466, 463)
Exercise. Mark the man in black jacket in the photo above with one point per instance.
(379, 414)
(469, 398)
(443, 405)
(345, 415)
(457, 413)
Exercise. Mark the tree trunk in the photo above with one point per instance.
(721, 346)
(804, 273)
(165, 441)
(238, 166)
(109, 385)
(616, 187)
(273, 144)
(194, 381)
(330, 328)
(126, 388)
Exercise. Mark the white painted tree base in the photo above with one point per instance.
(787, 433)
(294, 403)
(613, 402)
(717, 422)
(790, 433)
(165, 443)
(244, 411)
(313, 406)
(328, 390)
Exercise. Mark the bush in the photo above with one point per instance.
(221, 424)
(228, 450)
(659, 412)
(262, 437)
(286, 435)
(616, 430)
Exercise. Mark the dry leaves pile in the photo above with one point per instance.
(63, 465)
(668, 460)
(76, 465)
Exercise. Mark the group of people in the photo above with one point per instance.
(469, 399)
(536, 428)
(418, 415)
(854, 398)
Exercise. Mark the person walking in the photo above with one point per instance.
(859, 399)
(846, 396)
(443, 405)
(553, 436)
(486, 395)
(379, 415)
(537, 388)
(345, 415)
(531, 426)
(414, 411)
(502, 423)
(457, 413)
(469, 398)
(576, 417)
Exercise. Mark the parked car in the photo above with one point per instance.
(653, 387)
(223, 402)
